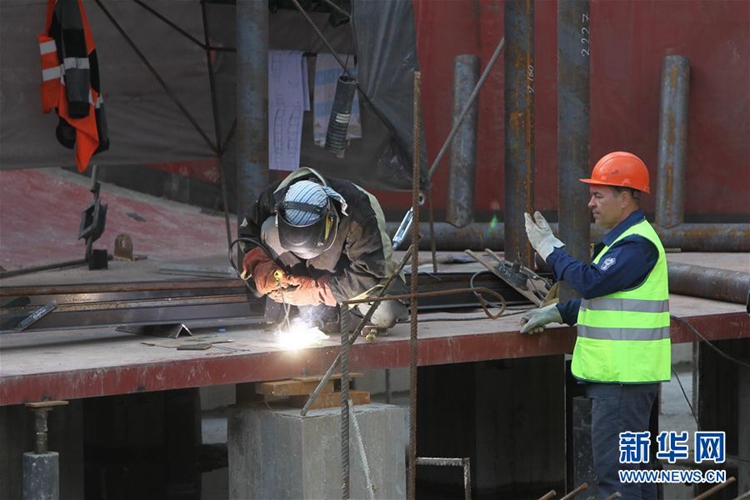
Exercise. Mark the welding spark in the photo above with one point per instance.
(298, 335)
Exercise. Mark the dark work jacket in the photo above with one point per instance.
(361, 257)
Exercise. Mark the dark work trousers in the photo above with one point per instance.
(617, 408)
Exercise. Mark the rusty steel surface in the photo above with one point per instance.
(141, 368)
(573, 163)
(687, 237)
(673, 134)
(462, 176)
(709, 282)
(519, 126)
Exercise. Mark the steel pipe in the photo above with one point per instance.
(709, 282)
(573, 163)
(460, 206)
(673, 125)
(687, 237)
(519, 125)
(252, 102)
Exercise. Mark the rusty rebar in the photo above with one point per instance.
(414, 284)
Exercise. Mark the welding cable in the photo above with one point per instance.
(719, 351)
(478, 318)
(502, 305)
(257, 243)
(250, 283)
(687, 399)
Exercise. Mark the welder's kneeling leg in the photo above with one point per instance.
(388, 313)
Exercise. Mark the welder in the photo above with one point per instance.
(313, 241)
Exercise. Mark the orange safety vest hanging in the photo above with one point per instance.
(86, 123)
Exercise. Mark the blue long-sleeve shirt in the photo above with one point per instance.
(627, 265)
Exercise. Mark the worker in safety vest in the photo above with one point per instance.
(313, 241)
(622, 350)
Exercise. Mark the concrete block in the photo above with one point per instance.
(276, 453)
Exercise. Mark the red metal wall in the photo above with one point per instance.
(629, 39)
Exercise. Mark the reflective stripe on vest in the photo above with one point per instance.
(624, 336)
(51, 72)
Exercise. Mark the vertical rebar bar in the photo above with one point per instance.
(673, 125)
(519, 126)
(252, 102)
(573, 143)
(344, 326)
(460, 208)
(412, 491)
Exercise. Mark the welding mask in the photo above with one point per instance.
(307, 220)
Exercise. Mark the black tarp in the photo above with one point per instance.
(146, 126)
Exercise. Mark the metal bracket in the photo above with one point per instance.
(522, 279)
(170, 331)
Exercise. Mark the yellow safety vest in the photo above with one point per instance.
(623, 337)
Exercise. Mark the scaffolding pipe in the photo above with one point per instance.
(573, 162)
(252, 102)
(519, 126)
(460, 206)
(709, 282)
(687, 237)
(673, 125)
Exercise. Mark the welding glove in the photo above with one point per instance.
(266, 274)
(306, 291)
(534, 320)
(540, 235)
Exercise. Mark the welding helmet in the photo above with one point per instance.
(307, 220)
(620, 169)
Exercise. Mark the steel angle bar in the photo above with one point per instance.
(161, 310)
(454, 462)
(88, 288)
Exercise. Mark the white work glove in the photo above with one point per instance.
(540, 235)
(534, 320)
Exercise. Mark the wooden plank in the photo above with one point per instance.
(45, 404)
(331, 399)
(291, 387)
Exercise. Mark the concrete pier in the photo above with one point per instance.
(276, 453)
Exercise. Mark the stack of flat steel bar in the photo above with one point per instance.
(185, 301)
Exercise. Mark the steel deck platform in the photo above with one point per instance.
(72, 364)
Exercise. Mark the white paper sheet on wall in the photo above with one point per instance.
(288, 99)
(327, 72)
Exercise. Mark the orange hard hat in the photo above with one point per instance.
(620, 169)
